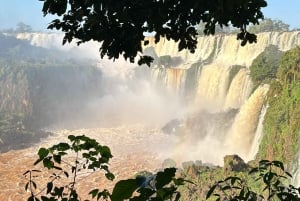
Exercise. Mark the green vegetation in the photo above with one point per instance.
(120, 28)
(264, 66)
(266, 181)
(269, 25)
(42, 92)
(20, 28)
(270, 176)
(90, 156)
(15, 134)
(37, 85)
(281, 126)
(289, 69)
(265, 25)
(218, 29)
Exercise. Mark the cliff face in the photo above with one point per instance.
(44, 86)
(49, 95)
(14, 94)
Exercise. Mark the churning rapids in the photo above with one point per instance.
(191, 108)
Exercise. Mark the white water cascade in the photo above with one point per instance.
(222, 103)
(296, 171)
(215, 91)
(258, 133)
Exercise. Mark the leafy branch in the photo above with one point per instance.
(273, 176)
(88, 157)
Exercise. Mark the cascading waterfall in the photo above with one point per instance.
(239, 90)
(171, 78)
(216, 92)
(258, 133)
(241, 135)
(296, 171)
(212, 86)
(205, 81)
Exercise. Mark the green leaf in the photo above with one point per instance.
(278, 164)
(94, 193)
(26, 186)
(124, 189)
(165, 177)
(288, 174)
(37, 161)
(110, 176)
(105, 152)
(254, 170)
(224, 188)
(166, 193)
(264, 163)
(66, 174)
(177, 197)
(43, 152)
(71, 138)
(146, 192)
(63, 146)
(31, 198)
(145, 60)
(57, 158)
(33, 184)
(211, 190)
(104, 194)
(26, 172)
(44, 198)
(49, 187)
(48, 163)
(179, 181)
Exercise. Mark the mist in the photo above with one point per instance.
(130, 99)
(115, 94)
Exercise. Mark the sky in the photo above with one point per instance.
(29, 12)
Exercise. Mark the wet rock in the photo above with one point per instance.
(234, 163)
(172, 127)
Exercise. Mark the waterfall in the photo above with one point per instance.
(243, 129)
(258, 134)
(226, 50)
(172, 78)
(212, 87)
(216, 92)
(239, 90)
(223, 105)
(296, 170)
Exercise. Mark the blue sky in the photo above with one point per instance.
(29, 12)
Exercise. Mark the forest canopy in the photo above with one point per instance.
(121, 27)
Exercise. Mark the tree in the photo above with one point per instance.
(83, 155)
(21, 28)
(273, 178)
(268, 25)
(289, 68)
(264, 66)
(218, 29)
(121, 27)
